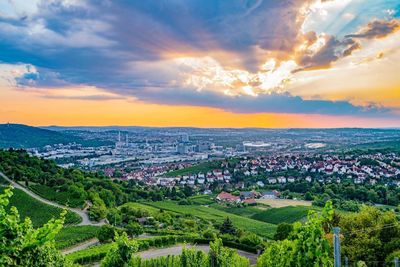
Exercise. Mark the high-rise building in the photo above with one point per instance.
(184, 138)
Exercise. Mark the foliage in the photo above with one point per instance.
(211, 214)
(306, 246)
(37, 211)
(72, 235)
(106, 233)
(251, 240)
(288, 214)
(134, 229)
(283, 231)
(370, 235)
(121, 253)
(21, 244)
(225, 257)
(227, 227)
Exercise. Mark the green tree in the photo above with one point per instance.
(283, 230)
(21, 244)
(122, 253)
(306, 246)
(106, 233)
(308, 196)
(134, 229)
(369, 235)
(227, 227)
(220, 256)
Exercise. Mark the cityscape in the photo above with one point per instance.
(190, 133)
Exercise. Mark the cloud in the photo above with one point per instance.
(270, 103)
(377, 29)
(226, 50)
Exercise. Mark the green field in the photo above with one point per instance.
(71, 235)
(210, 214)
(248, 211)
(203, 199)
(288, 214)
(38, 212)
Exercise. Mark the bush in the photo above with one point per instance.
(283, 231)
(106, 233)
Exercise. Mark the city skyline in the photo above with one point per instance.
(280, 64)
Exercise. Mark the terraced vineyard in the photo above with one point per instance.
(288, 214)
(38, 212)
(69, 236)
(211, 214)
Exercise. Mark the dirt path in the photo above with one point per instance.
(83, 214)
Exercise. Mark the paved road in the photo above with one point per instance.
(83, 214)
(177, 250)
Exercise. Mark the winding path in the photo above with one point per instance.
(83, 214)
(177, 250)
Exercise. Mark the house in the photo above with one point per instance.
(248, 195)
(270, 194)
(260, 184)
(282, 180)
(250, 201)
(227, 197)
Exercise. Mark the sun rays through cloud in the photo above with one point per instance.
(297, 57)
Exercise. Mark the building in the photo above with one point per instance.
(227, 197)
(270, 194)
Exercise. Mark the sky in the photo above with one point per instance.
(201, 63)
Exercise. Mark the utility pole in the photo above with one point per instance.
(346, 261)
(396, 262)
(336, 247)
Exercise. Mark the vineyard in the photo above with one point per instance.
(72, 235)
(38, 212)
(210, 214)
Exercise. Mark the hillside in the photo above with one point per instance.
(38, 212)
(24, 136)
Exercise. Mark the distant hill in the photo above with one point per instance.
(24, 136)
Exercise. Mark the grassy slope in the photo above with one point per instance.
(37, 211)
(243, 211)
(202, 199)
(211, 214)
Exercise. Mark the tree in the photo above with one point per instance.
(227, 227)
(134, 229)
(306, 246)
(106, 233)
(122, 253)
(220, 256)
(369, 235)
(21, 244)
(308, 196)
(283, 230)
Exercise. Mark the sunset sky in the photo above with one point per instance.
(203, 63)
